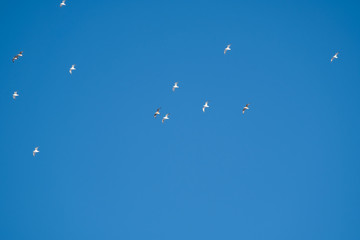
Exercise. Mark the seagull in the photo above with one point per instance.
(166, 117)
(227, 48)
(335, 56)
(15, 95)
(72, 68)
(17, 56)
(35, 151)
(157, 112)
(175, 86)
(205, 106)
(246, 107)
(62, 3)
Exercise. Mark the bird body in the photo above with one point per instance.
(35, 151)
(62, 3)
(15, 94)
(205, 106)
(175, 86)
(245, 108)
(72, 68)
(165, 118)
(157, 112)
(227, 48)
(17, 56)
(335, 56)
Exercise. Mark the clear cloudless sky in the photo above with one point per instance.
(286, 169)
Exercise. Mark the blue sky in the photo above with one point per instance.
(287, 169)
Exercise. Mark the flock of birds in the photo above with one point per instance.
(166, 117)
(206, 105)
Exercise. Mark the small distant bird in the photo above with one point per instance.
(335, 56)
(62, 3)
(246, 108)
(227, 48)
(17, 56)
(72, 68)
(175, 86)
(15, 94)
(205, 106)
(165, 118)
(157, 112)
(35, 151)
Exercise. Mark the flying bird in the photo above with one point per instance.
(175, 86)
(157, 112)
(62, 3)
(165, 118)
(72, 68)
(35, 151)
(227, 48)
(205, 106)
(246, 108)
(335, 56)
(15, 94)
(17, 56)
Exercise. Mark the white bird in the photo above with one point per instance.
(17, 56)
(62, 3)
(165, 118)
(335, 56)
(35, 151)
(227, 48)
(15, 94)
(205, 106)
(157, 112)
(72, 68)
(246, 108)
(175, 86)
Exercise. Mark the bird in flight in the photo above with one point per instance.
(35, 151)
(157, 112)
(72, 68)
(246, 108)
(175, 86)
(17, 56)
(227, 48)
(165, 118)
(62, 3)
(335, 56)
(15, 94)
(205, 106)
